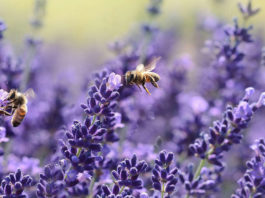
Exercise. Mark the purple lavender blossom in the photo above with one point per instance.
(14, 185)
(114, 81)
(164, 178)
(50, 182)
(226, 132)
(211, 146)
(247, 10)
(126, 177)
(252, 183)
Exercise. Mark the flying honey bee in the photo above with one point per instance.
(142, 75)
(17, 102)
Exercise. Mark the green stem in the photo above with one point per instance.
(121, 190)
(79, 152)
(91, 186)
(65, 176)
(163, 190)
(94, 119)
(198, 170)
(200, 166)
(253, 192)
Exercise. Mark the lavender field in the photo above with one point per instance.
(173, 108)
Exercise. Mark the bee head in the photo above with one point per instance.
(12, 94)
(129, 77)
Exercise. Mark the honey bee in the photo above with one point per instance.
(17, 102)
(142, 75)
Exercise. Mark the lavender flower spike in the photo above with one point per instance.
(252, 184)
(226, 132)
(164, 178)
(126, 178)
(13, 185)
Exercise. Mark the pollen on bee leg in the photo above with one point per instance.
(146, 90)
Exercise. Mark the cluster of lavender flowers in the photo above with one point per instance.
(252, 183)
(119, 141)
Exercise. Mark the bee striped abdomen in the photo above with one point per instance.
(156, 77)
(19, 115)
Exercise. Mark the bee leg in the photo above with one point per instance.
(13, 110)
(153, 82)
(139, 87)
(3, 112)
(146, 89)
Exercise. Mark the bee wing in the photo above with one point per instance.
(29, 93)
(140, 68)
(152, 65)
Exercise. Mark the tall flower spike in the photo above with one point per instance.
(102, 102)
(50, 182)
(82, 147)
(85, 143)
(164, 177)
(14, 185)
(197, 186)
(126, 177)
(224, 134)
(247, 10)
(229, 73)
(252, 183)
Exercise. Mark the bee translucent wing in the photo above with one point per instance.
(29, 93)
(140, 68)
(152, 65)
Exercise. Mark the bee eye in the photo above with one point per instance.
(12, 95)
